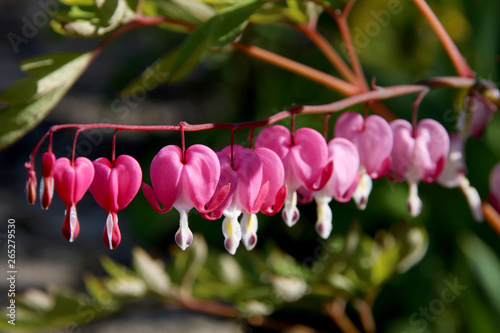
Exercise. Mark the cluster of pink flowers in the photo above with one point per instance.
(282, 170)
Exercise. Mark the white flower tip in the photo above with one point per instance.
(290, 213)
(473, 199)
(183, 236)
(232, 232)
(249, 225)
(362, 192)
(324, 221)
(73, 223)
(414, 203)
(290, 216)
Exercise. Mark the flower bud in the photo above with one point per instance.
(47, 183)
(31, 187)
(478, 109)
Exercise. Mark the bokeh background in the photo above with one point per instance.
(230, 87)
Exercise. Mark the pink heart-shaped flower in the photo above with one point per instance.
(114, 187)
(304, 156)
(71, 181)
(184, 181)
(372, 137)
(419, 155)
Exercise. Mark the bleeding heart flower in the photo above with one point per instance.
(418, 154)
(476, 113)
(373, 139)
(304, 155)
(454, 175)
(47, 183)
(494, 195)
(254, 186)
(114, 186)
(184, 181)
(341, 185)
(71, 181)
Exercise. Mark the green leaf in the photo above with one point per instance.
(484, 264)
(158, 72)
(152, 271)
(218, 31)
(189, 11)
(115, 270)
(384, 264)
(296, 12)
(77, 2)
(112, 13)
(230, 22)
(32, 98)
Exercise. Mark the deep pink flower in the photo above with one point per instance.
(256, 179)
(71, 181)
(341, 185)
(373, 139)
(304, 156)
(114, 186)
(494, 195)
(418, 154)
(47, 183)
(184, 182)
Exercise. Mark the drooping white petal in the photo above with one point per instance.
(73, 222)
(324, 218)
(249, 225)
(414, 203)
(473, 199)
(183, 236)
(290, 212)
(232, 233)
(363, 190)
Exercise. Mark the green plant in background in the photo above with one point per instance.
(346, 274)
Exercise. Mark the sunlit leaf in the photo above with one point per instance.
(230, 22)
(32, 98)
(152, 271)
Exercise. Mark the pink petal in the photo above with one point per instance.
(372, 137)
(166, 169)
(402, 149)
(307, 158)
(346, 160)
(150, 195)
(71, 182)
(228, 180)
(200, 177)
(248, 167)
(114, 187)
(274, 173)
(84, 172)
(434, 141)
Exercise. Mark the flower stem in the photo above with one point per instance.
(341, 20)
(491, 216)
(456, 57)
(329, 52)
(310, 73)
